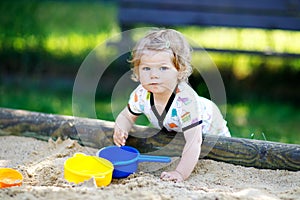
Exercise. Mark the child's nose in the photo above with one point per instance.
(154, 73)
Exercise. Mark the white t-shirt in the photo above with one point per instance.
(184, 110)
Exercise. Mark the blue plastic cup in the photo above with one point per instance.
(126, 159)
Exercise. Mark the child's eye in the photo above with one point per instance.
(163, 68)
(146, 68)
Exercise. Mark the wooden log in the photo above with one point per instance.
(98, 133)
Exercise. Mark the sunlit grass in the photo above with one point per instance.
(35, 101)
(278, 122)
(73, 44)
(76, 42)
(243, 65)
(247, 39)
(59, 28)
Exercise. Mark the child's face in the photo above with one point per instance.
(157, 72)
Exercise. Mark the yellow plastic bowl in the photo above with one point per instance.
(10, 177)
(81, 167)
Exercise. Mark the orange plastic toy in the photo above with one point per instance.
(10, 177)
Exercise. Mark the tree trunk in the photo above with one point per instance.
(98, 133)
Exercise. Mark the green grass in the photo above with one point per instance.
(56, 27)
(275, 121)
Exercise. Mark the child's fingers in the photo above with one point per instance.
(120, 137)
(117, 141)
(164, 175)
(125, 135)
(171, 176)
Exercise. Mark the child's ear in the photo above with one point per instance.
(180, 76)
(135, 77)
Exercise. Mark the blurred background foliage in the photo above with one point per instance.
(43, 43)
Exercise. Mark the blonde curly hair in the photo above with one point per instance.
(164, 40)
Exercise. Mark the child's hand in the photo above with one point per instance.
(120, 136)
(171, 176)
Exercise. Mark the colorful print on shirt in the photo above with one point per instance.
(184, 110)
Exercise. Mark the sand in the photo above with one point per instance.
(41, 164)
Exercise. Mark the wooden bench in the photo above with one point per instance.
(263, 14)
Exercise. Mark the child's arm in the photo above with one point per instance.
(123, 124)
(190, 156)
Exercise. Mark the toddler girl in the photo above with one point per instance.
(162, 64)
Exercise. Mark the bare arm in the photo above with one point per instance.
(123, 124)
(191, 151)
(190, 156)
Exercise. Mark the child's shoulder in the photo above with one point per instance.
(141, 92)
(186, 92)
(184, 89)
(140, 89)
